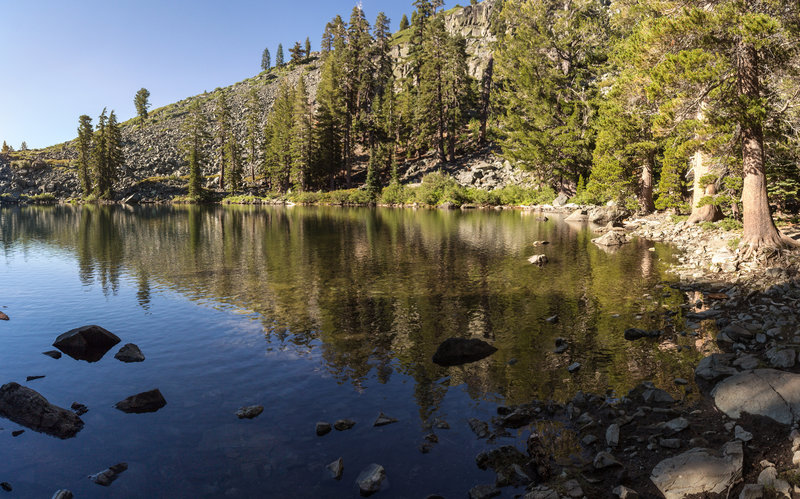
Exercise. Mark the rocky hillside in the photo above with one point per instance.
(153, 163)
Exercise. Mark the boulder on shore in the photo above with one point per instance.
(29, 408)
(699, 471)
(763, 392)
(89, 343)
(142, 402)
(457, 351)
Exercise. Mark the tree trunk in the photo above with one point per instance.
(646, 188)
(708, 212)
(440, 106)
(759, 229)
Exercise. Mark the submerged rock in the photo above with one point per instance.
(457, 351)
(336, 468)
(108, 475)
(130, 353)
(53, 353)
(142, 402)
(249, 412)
(89, 343)
(62, 494)
(699, 471)
(383, 420)
(561, 345)
(370, 479)
(344, 424)
(538, 259)
(632, 334)
(483, 491)
(29, 408)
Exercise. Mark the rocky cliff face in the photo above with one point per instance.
(153, 161)
(473, 22)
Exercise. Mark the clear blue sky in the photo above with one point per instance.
(60, 59)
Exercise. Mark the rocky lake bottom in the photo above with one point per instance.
(332, 316)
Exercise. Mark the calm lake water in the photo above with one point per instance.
(317, 314)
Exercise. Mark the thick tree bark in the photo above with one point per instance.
(708, 212)
(759, 228)
(646, 186)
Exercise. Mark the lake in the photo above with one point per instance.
(317, 314)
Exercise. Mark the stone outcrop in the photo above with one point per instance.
(699, 471)
(763, 392)
(29, 408)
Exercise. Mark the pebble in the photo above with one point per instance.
(323, 428)
(249, 412)
(574, 367)
(336, 468)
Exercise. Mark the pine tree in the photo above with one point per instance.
(233, 180)
(547, 59)
(404, 23)
(714, 67)
(296, 53)
(116, 158)
(279, 56)
(253, 117)
(85, 153)
(357, 85)
(100, 156)
(265, 60)
(222, 116)
(331, 109)
(443, 88)
(23, 146)
(302, 138)
(192, 145)
(278, 139)
(142, 103)
(5, 150)
(307, 47)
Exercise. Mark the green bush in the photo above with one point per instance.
(438, 188)
(396, 194)
(729, 224)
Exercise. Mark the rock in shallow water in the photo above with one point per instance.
(457, 351)
(89, 343)
(336, 468)
(108, 475)
(62, 494)
(249, 412)
(383, 420)
(370, 479)
(30, 409)
(323, 428)
(344, 424)
(3, 317)
(130, 353)
(142, 402)
(53, 353)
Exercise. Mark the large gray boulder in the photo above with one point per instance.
(89, 343)
(764, 392)
(29, 408)
(699, 471)
(457, 351)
